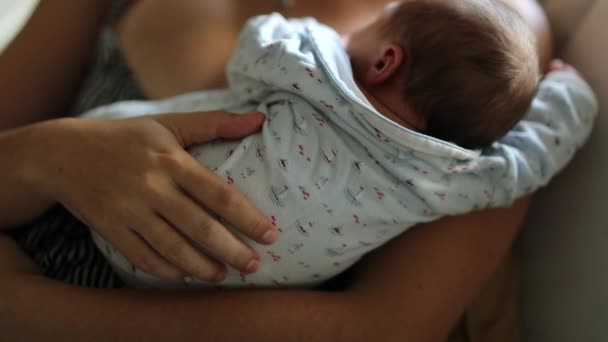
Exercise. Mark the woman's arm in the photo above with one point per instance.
(41, 69)
(412, 289)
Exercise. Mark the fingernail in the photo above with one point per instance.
(270, 236)
(252, 266)
(220, 276)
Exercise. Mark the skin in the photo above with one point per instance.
(57, 73)
(428, 291)
(376, 63)
(534, 15)
(50, 168)
(154, 201)
(405, 291)
(182, 63)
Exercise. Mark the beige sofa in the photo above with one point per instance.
(564, 247)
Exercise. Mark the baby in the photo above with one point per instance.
(349, 158)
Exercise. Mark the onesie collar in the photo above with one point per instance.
(332, 57)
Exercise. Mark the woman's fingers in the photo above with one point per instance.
(225, 201)
(142, 256)
(176, 249)
(211, 192)
(194, 128)
(202, 229)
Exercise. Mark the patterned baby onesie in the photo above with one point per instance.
(337, 178)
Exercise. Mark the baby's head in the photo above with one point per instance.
(464, 71)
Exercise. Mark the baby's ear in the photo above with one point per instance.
(387, 63)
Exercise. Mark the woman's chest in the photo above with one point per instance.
(182, 46)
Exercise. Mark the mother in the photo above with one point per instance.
(414, 288)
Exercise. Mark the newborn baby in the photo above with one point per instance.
(349, 158)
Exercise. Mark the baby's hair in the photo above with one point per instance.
(471, 67)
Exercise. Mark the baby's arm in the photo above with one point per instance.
(557, 124)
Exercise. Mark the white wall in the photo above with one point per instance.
(13, 14)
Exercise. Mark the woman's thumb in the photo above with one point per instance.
(200, 127)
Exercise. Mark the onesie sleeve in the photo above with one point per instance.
(269, 47)
(558, 123)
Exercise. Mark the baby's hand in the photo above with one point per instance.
(559, 65)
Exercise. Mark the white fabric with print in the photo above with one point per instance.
(336, 177)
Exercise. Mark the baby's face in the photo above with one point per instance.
(363, 45)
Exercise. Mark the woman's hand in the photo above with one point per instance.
(132, 182)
